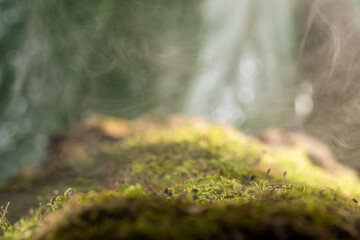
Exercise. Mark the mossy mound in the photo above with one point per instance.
(180, 179)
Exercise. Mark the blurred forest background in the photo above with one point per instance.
(253, 63)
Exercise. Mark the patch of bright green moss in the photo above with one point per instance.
(194, 181)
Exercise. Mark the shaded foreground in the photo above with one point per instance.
(176, 179)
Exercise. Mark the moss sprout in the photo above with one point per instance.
(191, 181)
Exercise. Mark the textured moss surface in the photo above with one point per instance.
(177, 179)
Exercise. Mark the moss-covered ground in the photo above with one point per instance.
(176, 179)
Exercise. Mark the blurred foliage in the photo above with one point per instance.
(234, 61)
(12, 17)
(65, 60)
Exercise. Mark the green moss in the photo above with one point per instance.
(190, 181)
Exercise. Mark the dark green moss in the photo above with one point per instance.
(190, 181)
(279, 216)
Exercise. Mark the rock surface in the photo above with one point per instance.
(177, 179)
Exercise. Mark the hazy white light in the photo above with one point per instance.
(303, 104)
(248, 67)
(246, 95)
(229, 114)
(306, 87)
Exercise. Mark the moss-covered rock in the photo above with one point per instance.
(177, 179)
